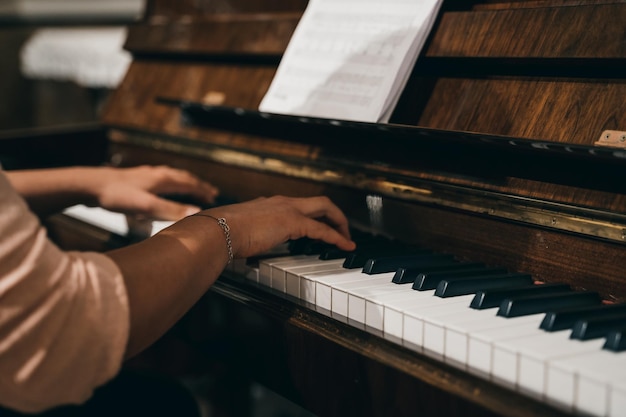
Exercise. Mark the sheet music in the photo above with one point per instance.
(350, 59)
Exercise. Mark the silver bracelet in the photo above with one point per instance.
(222, 223)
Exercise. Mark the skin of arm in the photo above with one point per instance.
(166, 275)
(127, 190)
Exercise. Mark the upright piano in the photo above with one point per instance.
(506, 149)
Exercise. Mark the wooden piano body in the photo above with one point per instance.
(494, 153)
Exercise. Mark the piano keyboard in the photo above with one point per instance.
(484, 320)
(580, 376)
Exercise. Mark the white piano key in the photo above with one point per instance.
(480, 344)
(459, 327)
(416, 312)
(396, 308)
(357, 297)
(434, 327)
(324, 285)
(375, 305)
(617, 400)
(534, 354)
(393, 318)
(279, 270)
(590, 383)
(378, 301)
(265, 267)
(560, 388)
(393, 322)
(308, 282)
(292, 275)
(523, 361)
(341, 291)
(592, 397)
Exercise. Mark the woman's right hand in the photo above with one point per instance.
(259, 225)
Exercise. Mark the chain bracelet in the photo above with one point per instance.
(221, 222)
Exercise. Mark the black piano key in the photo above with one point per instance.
(333, 253)
(616, 340)
(296, 247)
(429, 281)
(469, 285)
(316, 247)
(406, 275)
(565, 319)
(301, 246)
(594, 328)
(384, 264)
(308, 246)
(362, 240)
(494, 297)
(534, 304)
(359, 257)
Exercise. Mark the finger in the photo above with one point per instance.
(149, 205)
(202, 191)
(323, 208)
(175, 181)
(321, 231)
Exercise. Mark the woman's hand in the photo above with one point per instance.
(259, 225)
(137, 191)
(167, 273)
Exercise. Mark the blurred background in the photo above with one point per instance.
(60, 59)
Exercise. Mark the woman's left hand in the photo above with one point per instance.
(139, 191)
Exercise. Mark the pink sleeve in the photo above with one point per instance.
(64, 317)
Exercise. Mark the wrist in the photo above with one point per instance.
(92, 183)
(223, 225)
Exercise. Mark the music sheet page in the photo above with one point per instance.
(350, 59)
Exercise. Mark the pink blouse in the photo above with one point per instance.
(64, 316)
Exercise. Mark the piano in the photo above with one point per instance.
(504, 157)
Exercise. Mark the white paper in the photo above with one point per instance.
(90, 57)
(350, 59)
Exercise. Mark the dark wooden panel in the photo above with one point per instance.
(574, 111)
(585, 31)
(134, 102)
(199, 7)
(242, 36)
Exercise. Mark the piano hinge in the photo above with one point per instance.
(612, 138)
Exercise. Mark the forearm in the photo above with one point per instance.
(50, 190)
(134, 191)
(167, 274)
